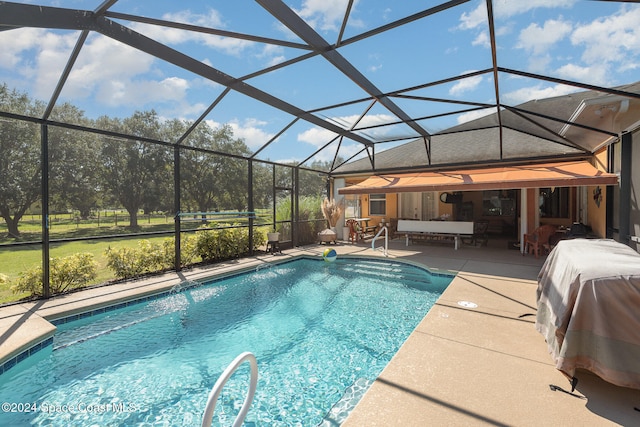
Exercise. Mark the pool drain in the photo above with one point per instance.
(467, 304)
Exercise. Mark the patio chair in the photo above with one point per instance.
(354, 234)
(538, 240)
(480, 234)
(393, 228)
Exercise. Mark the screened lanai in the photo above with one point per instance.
(179, 116)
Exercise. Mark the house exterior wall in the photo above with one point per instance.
(596, 216)
(634, 215)
(597, 210)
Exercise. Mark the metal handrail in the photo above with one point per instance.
(217, 389)
(386, 240)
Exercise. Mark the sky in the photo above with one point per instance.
(589, 42)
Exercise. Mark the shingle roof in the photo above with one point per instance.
(527, 132)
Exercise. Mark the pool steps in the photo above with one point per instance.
(418, 281)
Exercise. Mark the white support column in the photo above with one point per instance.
(536, 218)
(583, 198)
(523, 217)
(339, 183)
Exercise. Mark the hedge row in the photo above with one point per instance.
(71, 272)
(78, 270)
(206, 245)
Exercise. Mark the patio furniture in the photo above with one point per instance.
(393, 228)
(538, 240)
(327, 236)
(588, 297)
(273, 243)
(480, 234)
(365, 227)
(354, 234)
(441, 231)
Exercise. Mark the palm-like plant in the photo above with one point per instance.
(332, 210)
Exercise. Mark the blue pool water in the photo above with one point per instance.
(321, 332)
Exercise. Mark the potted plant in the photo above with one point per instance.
(332, 210)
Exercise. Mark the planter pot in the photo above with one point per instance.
(345, 233)
(327, 235)
(273, 237)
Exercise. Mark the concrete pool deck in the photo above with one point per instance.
(461, 366)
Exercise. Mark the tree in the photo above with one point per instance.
(214, 181)
(312, 184)
(234, 180)
(20, 166)
(74, 163)
(133, 166)
(262, 185)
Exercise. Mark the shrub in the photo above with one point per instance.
(71, 272)
(125, 262)
(209, 245)
(188, 252)
(310, 215)
(227, 243)
(259, 238)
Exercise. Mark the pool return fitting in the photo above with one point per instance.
(217, 389)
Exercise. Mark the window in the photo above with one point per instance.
(554, 202)
(499, 203)
(378, 204)
(422, 206)
(352, 206)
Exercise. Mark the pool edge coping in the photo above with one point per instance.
(153, 287)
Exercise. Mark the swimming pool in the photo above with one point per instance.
(321, 332)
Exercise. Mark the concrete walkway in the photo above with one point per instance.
(463, 364)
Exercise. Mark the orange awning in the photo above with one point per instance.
(565, 174)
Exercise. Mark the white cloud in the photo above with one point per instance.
(615, 38)
(316, 136)
(466, 85)
(107, 71)
(536, 92)
(347, 150)
(507, 9)
(475, 18)
(597, 74)
(174, 36)
(327, 15)
(115, 92)
(251, 131)
(482, 39)
(272, 54)
(539, 64)
(36, 57)
(105, 65)
(13, 43)
(476, 114)
(538, 39)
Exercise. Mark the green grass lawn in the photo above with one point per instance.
(17, 259)
(14, 260)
